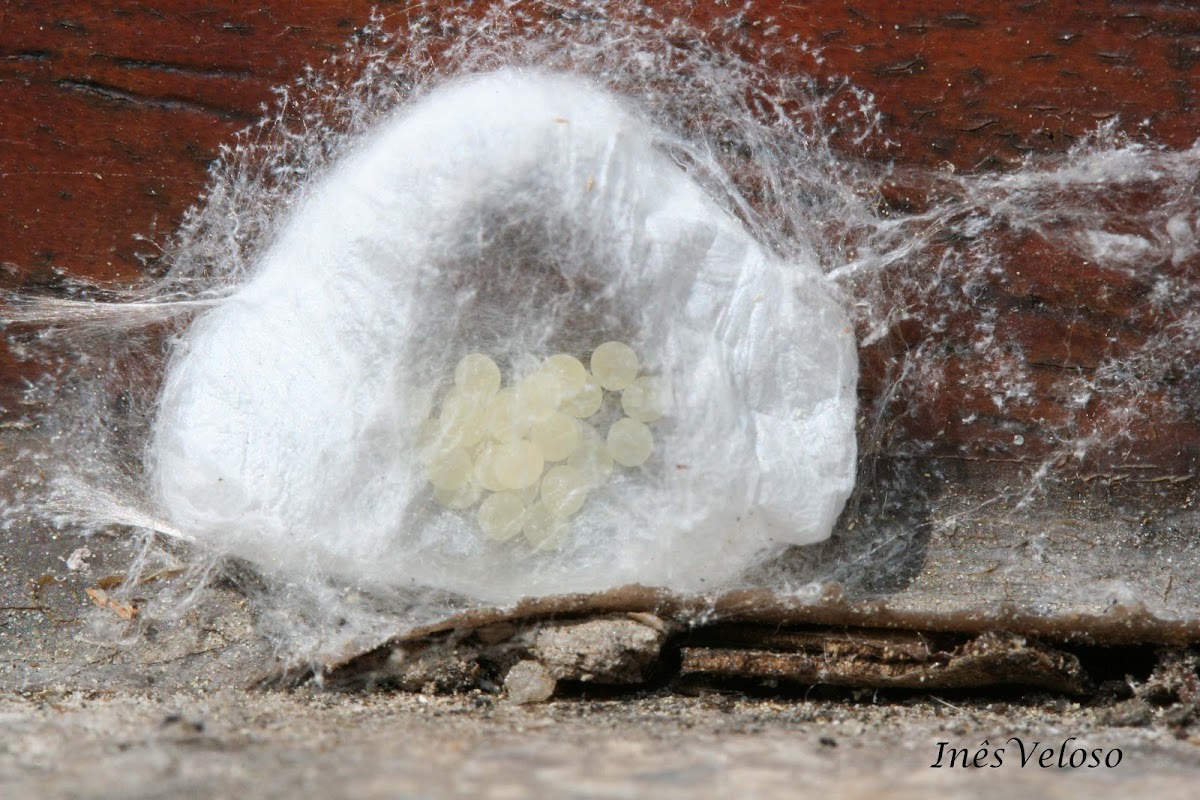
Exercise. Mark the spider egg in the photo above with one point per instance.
(542, 528)
(462, 420)
(485, 470)
(540, 394)
(644, 399)
(568, 368)
(477, 374)
(557, 436)
(501, 516)
(506, 419)
(518, 464)
(450, 470)
(592, 458)
(630, 442)
(583, 401)
(615, 365)
(564, 491)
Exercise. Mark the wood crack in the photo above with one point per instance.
(220, 72)
(116, 94)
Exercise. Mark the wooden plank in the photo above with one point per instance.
(111, 112)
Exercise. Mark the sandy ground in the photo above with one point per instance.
(269, 744)
(81, 717)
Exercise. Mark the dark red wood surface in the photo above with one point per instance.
(111, 111)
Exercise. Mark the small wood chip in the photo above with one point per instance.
(102, 599)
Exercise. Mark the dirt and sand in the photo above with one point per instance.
(234, 743)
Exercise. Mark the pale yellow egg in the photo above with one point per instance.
(477, 374)
(564, 491)
(501, 516)
(614, 365)
(630, 442)
(557, 436)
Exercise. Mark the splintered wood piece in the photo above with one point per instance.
(872, 661)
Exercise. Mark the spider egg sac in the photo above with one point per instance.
(506, 346)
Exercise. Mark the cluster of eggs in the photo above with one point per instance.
(526, 452)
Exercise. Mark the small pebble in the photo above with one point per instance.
(529, 682)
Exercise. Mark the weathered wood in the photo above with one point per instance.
(868, 659)
(111, 112)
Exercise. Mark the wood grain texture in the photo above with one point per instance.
(112, 111)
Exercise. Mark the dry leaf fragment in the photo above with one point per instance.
(101, 598)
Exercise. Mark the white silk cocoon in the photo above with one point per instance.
(511, 213)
